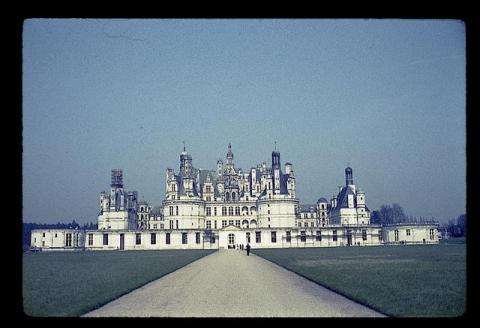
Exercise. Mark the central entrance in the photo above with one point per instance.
(231, 240)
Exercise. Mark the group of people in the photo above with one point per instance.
(241, 248)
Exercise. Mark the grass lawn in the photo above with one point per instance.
(74, 283)
(401, 281)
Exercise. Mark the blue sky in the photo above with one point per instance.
(386, 97)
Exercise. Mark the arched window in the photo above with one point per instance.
(233, 195)
(252, 209)
(227, 196)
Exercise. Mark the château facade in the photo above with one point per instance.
(226, 207)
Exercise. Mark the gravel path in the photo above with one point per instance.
(228, 283)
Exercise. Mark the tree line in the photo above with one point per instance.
(28, 227)
(457, 227)
(392, 214)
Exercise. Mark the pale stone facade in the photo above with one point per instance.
(226, 207)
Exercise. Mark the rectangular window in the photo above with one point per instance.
(224, 211)
(138, 238)
(171, 210)
(303, 236)
(176, 224)
(289, 236)
(224, 223)
(212, 238)
(334, 235)
(230, 222)
(167, 238)
(154, 226)
(208, 189)
(90, 239)
(318, 237)
(380, 235)
(312, 224)
(230, 211)
(44, 234)
(237, 223)
(364, 235)
(258, 236)
(432, 234)
(197, 237)
(396, 235)
(171, 224)
(55, 235)
(184, 238)
(209, 211)
(215, 211)
(105, 239)
(237, 210)
(408, 232)
(209, 224)
(215, 224)
(274, 236)
(153, 238)
(68, 242)
(176, 210)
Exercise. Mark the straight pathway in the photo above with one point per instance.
(228, 283)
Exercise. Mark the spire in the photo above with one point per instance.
(348, 176)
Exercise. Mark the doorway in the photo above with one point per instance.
(122, 241)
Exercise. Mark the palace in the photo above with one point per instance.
(227, 207)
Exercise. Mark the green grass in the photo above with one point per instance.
(74, 283)
(401, 281)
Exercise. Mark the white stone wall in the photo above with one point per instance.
(410, 234)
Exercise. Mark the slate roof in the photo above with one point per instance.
(342, 197)
(307, 208)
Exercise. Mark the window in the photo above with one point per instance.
(224, 223)
(68, 241)
(138, 239)
(171, 210)
(258, 236)
(209, 211)
(233, 195)
(90, 239)
(268, 211)
(237, 223)
(231, 238)
(154, 226)
(318, 237)
(208, 189)
(173, 187)
(215, 223)
(396, 235)
(303, 236)
(408, 232)
(364, 234)
(209, 225)
(432, 234)
(176, 210)
(212, 238)
(224, 211)
(215, 211)
(167, 238)
(230, 222)
(248, 237)
(237, 210)
(274, 236)
(171, 224)
(380, 235)
(176, 224)
(312, 224)
(184, 238)
(230, 211)
(105, 239)
(197, 237)
(306, 224)
(289, 236)
(334, 235)
(55, 235)
(209, 198)
(44, 234)
(153, 238)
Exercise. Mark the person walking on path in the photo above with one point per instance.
(248, 249)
